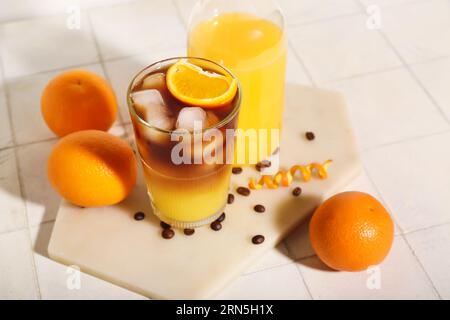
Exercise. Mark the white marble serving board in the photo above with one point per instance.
(108, 243)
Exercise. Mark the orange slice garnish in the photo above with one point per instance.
(195, 86)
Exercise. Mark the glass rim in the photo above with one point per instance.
(220, 124)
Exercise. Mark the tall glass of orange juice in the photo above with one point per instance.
(247, 36)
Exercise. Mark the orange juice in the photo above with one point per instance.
(255, 51)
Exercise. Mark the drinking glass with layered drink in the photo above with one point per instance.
(184, 112)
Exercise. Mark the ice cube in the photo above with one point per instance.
(155, 81)
(191, 118)
(147, 98)
(150, 106)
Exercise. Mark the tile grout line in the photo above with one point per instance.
(25, 144)
(290, 255)
(407, 233)
(362, 75)
(402, 235)
(406, 140)
(322, 20)
(304, 281)
(300, 60)
(410, 71)
(422, 267)
(55, 14)
(102, 64)
(377, 190)
(180, 16)
(348, 15)
(20, 179)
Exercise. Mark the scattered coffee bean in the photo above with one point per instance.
(259, 208)
(263, 164)
(258, 239)
(310, 135)
(243, 191)
(164, 225)
(221, 218)
(139, 216)
(297, 191)
(266, 163)
(216, 225)
(230, 199)
(236, 170)
(189, 232)
(168, 233)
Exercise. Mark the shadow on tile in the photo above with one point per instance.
(42, 238)
(297, 242)
(315, 263)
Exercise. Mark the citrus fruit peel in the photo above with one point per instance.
(196, 86)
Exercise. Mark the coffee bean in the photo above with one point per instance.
(259, 208)
(189, 232)
(236, 170)
(221, 218)
(164, 225)
(216, 225)
(297, 191)
(266, 164)
(230, 199)
(139, 216)
(310, 135)
(258, 239)
(168, 233)
(243, 191)
(263, 164)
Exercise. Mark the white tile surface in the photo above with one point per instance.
(435, 76)
(274, 258)
(341, 48)
(185, 8)
(17, 277)
(5, 128)
(121, 72)
(278, 283)
(419, 30)
(385, 3)
(295, 72)
(431, 246)
(305, 11)
(133, 28)
(13, 9)
(24, 99)
(53, 277)
(412, 178)
(41, 201)
(389, 106)
(12, 207)
(37, 45)
(400, 274)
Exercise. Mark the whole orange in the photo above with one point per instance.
(351, 231)
(78, 100)
(92, 168)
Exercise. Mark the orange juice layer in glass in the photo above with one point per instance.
(255, 51)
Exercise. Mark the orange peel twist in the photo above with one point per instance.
(284, 178)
